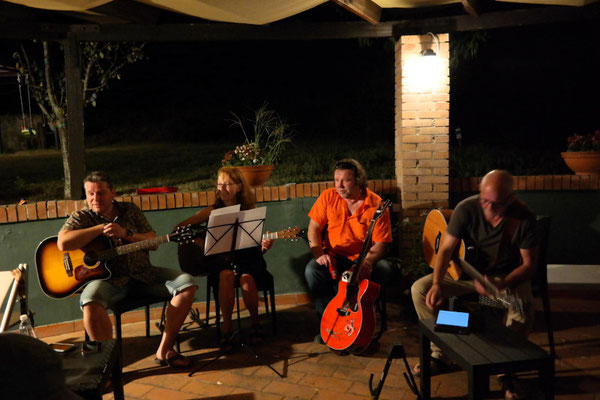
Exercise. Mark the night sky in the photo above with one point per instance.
(526, 84)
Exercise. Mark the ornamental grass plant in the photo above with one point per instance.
(266, 136)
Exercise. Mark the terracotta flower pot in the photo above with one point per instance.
(583, 162)
(256, 175)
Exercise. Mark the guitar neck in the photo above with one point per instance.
(473, 273)
(270, 236)
(136, 246)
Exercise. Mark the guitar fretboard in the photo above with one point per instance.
(136, 246)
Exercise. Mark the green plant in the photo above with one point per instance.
(589, 142)
(266, 141)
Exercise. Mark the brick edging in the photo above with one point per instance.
(53, 209)
(534, 182)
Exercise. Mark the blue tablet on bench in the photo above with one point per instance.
(452, 322)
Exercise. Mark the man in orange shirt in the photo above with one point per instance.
(346, 211)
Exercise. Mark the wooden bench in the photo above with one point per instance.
(490, 348)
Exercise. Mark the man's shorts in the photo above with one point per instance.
(168, 282)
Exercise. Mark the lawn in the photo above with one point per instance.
(38, 175)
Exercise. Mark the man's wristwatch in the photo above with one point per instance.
(129, 232)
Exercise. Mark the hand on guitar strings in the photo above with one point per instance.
(496, 281)
(114, 231)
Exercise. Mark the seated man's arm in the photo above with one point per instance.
(376, 252)
(315, 241)
(74, 239)
(435, 297)
(523, 272)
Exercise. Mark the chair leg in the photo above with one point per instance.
(119, 333)
(147, 313)
(273, 312)
(548, 318)
(207, 324)
(266, 302)
(381, 306)
(217, 312)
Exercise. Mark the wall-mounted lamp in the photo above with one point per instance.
(430, 52)
(425, 72)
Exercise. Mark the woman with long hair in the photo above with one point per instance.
(232, 189)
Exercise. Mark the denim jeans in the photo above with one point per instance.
(322, 286)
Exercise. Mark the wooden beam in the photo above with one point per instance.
(365, 9)
(217, 32)
(471, 6)
(494, 20)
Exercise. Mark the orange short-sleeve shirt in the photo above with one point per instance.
(346, 233)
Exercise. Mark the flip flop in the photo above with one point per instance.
(436, 367)
(172, 361)
(510, 388)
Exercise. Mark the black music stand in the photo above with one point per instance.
(228, 232)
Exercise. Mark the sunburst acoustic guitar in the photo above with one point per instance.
(62, 273)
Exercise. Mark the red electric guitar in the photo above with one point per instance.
(349, 319)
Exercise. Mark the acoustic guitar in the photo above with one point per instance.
(433, 231)
(348, 321)
(62, 273)
(193, 261)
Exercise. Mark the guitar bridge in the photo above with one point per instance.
(68, 264)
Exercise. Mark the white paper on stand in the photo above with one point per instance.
(220, 229)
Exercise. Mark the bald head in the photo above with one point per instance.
(495, 193)
(499, 182)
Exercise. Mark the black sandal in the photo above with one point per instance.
(226, 342)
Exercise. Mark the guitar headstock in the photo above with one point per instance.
(294, 233)
(290, 233)
(383, 205)
(185, 234)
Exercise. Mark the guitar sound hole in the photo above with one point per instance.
(90, 259)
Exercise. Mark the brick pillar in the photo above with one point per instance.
(422, 129)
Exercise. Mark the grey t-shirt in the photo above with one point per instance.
(482, 240)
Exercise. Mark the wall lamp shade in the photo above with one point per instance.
(428, 53)
(425, 72)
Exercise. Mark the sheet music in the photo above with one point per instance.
(224, 210)
(219, 235)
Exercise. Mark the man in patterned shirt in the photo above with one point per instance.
(132, 274)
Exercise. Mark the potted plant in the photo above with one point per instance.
(263, 145)
(583, 153)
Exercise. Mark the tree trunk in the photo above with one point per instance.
(71, 133)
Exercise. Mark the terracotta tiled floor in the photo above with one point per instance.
(311, 371)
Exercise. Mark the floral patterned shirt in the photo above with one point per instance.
(134, 265)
